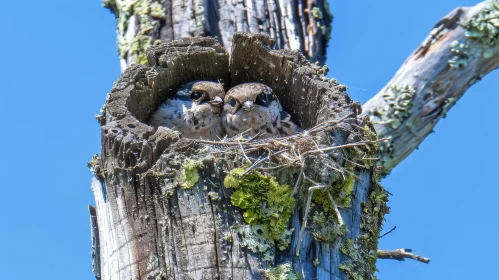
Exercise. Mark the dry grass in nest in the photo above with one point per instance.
(288, 151)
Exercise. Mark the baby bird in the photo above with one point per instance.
(194, 111)
(253, 108)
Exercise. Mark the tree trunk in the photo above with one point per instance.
(174, 208)
(296, 24)
(154, 221)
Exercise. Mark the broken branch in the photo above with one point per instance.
(401, 255)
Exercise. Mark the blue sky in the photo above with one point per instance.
(59, 61)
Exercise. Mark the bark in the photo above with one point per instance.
(296, 24)
(164, 211)
(145, 226)
(460, 50)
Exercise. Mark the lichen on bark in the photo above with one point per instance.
(264, 201)
(361, 251)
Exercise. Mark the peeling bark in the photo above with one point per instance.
(151, 228)
(460, 50)
(295, 24)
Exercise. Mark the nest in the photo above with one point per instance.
(294, 151)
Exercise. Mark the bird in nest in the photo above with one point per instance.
(194, 111)
(254, 109)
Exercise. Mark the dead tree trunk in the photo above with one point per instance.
(146, 224)
(174, 208)
(296, 24)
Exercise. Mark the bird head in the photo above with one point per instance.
(247, 97)
(204, 95)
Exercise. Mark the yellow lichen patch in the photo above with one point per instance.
(189, 175)
(342, 191)
(263, 200)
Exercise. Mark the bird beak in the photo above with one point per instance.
(248, 106)
(217, 101)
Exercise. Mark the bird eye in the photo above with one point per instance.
(196, 95)
(261, 99)
(232, 102)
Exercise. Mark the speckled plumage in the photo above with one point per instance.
(194, 117)
(254, 109)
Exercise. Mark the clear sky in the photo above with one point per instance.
(59, 61)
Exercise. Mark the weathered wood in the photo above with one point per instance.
(460, 50)
(295, 24)
(401, 255)
(151, 228)
(94, 234)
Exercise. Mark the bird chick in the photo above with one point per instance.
(253, 108)
(194, 111)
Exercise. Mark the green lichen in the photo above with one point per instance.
(342, 191)
(95, 166)
(139, 46)
(154, 270)
(362, 251)
(263, 200)
(198, 16)
(398, 105)
(148, 13)
(157, 11)
(326, 31)
(396, 110)
(324, 226)
(322, 20)
(461, 53)
(189, 175)
(214, 196)
(484, 26)
(325, 229)
(281, 272)
(366, 155)
(316, 13)
(251, 239)
(109, 4)
(362, 262)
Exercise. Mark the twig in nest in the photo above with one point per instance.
(255, 137)
(298, 180)
(260, 161)
(401, 255)
(338, 215)
(390, 231)
(361, 143)
(242, 149)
